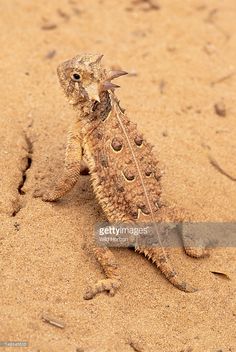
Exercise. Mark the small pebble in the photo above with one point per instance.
(220, 109)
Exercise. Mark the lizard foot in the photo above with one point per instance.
(109, 285)
(195, 240)
(47, 196)
(197, 252)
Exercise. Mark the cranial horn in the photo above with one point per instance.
(97, 60)
(116, 74)
(108, 85)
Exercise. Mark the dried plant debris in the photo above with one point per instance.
(63, 14)
(211, 15)
(211, 19)
(220, 109)
(188, 349)
(136, 346)
(50, 54)
(201, 7)
(216, 165)
(77, 11)
(52, 321)
(205, 146)
(222, 130)
(223, 78)
(48, 26)
(221, 275)
(162, 86)
(147, 5)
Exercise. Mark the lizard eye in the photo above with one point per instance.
(76, 77)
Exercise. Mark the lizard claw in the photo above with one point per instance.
(109, 285)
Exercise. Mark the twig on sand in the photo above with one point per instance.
(215, 164)
(150, 4)
(224, 78)
(53, 322)
(135, 346)
(211, 19)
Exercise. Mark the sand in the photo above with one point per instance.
(182, 59)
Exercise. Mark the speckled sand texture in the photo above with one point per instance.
(182, 60)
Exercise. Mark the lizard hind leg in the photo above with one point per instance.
(161, 260)
(195, 243)
(112, 281)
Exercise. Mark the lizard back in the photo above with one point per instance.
(125, 174)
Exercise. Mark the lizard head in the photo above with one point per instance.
(83, 78)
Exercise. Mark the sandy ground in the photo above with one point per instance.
(182, 57)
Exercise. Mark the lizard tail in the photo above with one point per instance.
(162, 262)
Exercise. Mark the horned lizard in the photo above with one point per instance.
(124, 172)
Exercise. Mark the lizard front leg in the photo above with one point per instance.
(72, 168)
